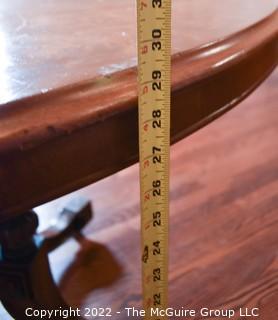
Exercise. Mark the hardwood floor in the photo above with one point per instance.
(224, 230)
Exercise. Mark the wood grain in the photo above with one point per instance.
(50, 142)
(41, 49)
(224, 206)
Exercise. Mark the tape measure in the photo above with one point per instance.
(154, 76)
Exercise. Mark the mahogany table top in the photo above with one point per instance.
(68, 81)
(45, 45)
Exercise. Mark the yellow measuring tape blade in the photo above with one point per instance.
(154, 76)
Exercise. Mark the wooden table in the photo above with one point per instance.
(68, 82)
(68, 96)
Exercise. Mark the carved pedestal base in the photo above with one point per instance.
(25, 276)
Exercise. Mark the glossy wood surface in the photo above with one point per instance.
(56, 141)
(45, 45)
(224, 207)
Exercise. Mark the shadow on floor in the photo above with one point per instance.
(94, 267)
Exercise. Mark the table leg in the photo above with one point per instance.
(26, 282)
